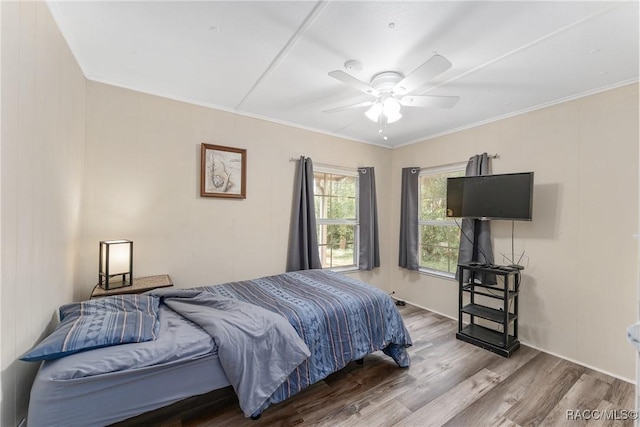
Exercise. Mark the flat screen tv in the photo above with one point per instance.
(506, 196)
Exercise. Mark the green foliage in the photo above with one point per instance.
(335, 199)
(438, 243)
(335, 196)
(336, 257)
(439, 247)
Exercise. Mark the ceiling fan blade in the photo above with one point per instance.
(349, 80)
(348, 107)
(435, 65)
(429, 101)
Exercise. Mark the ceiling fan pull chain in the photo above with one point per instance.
(382, 125)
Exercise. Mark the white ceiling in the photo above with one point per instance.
(270, 59)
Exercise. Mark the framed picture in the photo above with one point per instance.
(223, 172)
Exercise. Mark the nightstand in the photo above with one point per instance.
(140, 285)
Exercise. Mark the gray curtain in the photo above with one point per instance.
(475, 238)
(303, 238)
(409, 219)
(369, 256)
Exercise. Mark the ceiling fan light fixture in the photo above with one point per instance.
(391, 109)
(393, 117)
(390, 106)
(374, 112)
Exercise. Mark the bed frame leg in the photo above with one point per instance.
(360, 361)
(255, 417)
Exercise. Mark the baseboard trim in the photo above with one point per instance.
(538, 348)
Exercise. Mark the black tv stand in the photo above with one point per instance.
(494, 329)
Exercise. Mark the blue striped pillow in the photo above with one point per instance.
(118, 319)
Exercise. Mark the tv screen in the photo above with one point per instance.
(505, 196)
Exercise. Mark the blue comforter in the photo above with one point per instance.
(340, 319)
(257, 348)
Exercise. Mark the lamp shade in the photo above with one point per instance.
(373, 113)
(391, 109)
(115, 259)
(387, 108)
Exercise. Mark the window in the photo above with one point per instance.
(336, 203)
(439, 238)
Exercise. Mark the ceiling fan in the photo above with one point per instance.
(392, 89)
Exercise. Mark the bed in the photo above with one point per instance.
(201, 345)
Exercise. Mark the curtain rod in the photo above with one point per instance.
(325, 165)
(295, 159)
(491, 156)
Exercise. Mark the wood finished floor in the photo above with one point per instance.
(450, 383)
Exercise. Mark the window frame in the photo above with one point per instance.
(429, 171)
(352, 222)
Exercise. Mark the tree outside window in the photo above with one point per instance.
(336, 205)
(439, 236)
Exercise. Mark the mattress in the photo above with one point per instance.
(111, 384)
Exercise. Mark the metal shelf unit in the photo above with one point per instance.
(499, 333)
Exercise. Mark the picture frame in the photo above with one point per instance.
(223, 171)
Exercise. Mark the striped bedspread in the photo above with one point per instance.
(339, 318)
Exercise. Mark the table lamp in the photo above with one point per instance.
(115, 259)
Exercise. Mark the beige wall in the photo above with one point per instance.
(578, 291)
(43, 93)
(142, 183)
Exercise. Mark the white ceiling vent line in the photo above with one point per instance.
(317, 10)
(524, 46)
